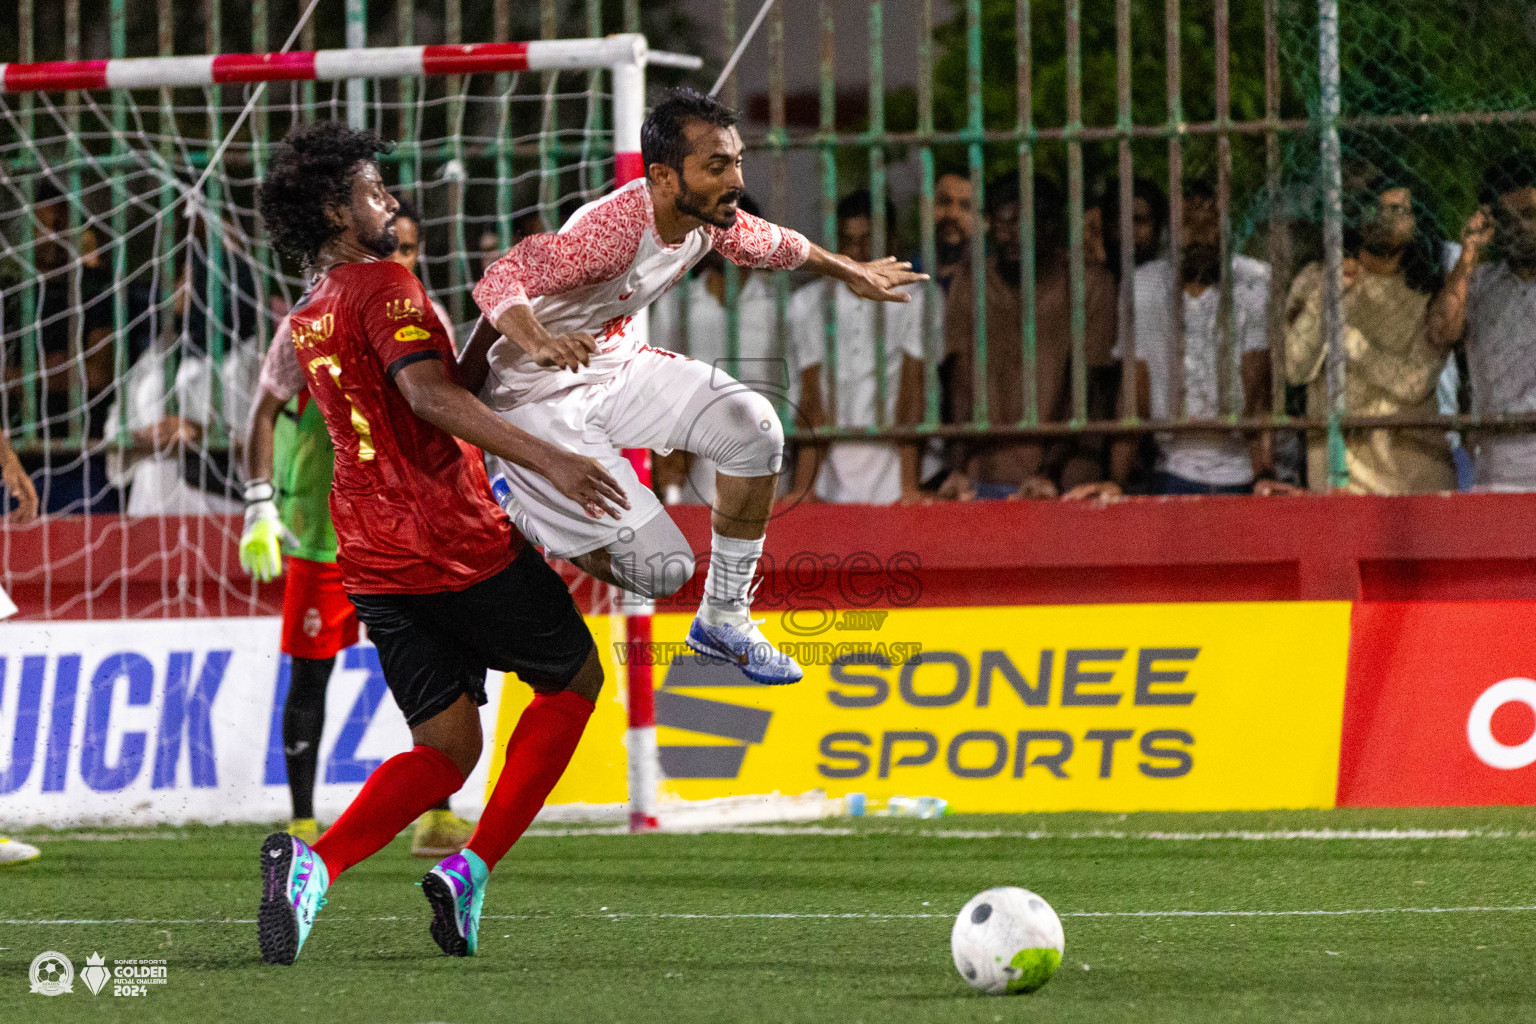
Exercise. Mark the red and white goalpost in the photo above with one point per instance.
(110, 142)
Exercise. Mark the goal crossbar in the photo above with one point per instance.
(628, 50)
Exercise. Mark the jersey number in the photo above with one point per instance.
(359, 421)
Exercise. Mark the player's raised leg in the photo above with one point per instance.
(739, 430)
(665, 401)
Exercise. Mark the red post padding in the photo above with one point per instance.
(471, 59)
(56, 76)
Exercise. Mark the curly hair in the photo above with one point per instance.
(311, 169)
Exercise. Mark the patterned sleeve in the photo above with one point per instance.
(596, 246)
(281, 375)
(753, 242)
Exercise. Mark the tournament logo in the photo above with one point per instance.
(402, 309)
(95, 974)
(411, 332)
(52, 974)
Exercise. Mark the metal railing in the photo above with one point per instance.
(954, 41)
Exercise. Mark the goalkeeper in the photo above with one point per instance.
(289, 465)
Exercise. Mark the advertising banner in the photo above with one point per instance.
(141, 722)
(1104, 707)
(1441, 706)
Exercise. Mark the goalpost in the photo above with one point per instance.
(137, 293)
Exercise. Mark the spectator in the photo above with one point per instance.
(188, 425)
(858, 472)
(1489, 302)
(954, 225)
(1013, 468)
(692, 319)
(1200, 463)
(954, 222)
(1149, 218)
(74, 312)
(1390, 273)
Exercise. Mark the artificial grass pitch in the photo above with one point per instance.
(1168, 917)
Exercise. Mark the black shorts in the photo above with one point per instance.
(434, 647)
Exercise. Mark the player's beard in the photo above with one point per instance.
(697, 204)
(384, 243)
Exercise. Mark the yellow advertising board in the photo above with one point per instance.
(1100, 707)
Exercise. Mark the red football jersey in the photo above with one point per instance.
(413, 515)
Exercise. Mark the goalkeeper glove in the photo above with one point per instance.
(265, 536)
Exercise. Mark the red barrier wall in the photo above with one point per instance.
(1336, 547)
(1416, 673)
(1339, 547)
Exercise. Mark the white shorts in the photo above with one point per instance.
(641, 406)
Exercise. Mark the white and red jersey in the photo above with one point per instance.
(605, 265)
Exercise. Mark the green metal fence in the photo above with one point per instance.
(1271, 102)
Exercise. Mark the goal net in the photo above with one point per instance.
(138, 293)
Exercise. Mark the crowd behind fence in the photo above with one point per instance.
(1172, 248)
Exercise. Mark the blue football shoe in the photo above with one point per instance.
(456, 889)
(293, 884)
(743, 645)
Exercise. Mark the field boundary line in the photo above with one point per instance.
(789, 916)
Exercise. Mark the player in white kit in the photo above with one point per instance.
(564, 366)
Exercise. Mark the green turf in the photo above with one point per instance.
(580, 939)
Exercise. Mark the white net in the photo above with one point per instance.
(134, 313)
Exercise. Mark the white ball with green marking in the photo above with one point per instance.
(1007, 940)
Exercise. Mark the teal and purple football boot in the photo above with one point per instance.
(293, 884)
(456, 889)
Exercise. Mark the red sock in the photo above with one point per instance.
(395, 795)
(540, 748)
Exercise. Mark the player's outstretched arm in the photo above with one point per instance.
(438, 400)
(879, 280)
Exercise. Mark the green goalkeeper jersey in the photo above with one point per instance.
(303, 463)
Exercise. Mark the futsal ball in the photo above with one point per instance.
(1007, 940)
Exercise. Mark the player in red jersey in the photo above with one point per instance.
(446, 586)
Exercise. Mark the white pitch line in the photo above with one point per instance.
(1323, 834)
(1033, 835)
(852, 916)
